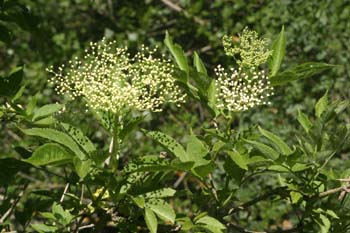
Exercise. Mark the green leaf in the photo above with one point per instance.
(64, 216)
(321, 105)
(45, 121)
(295, 197)
(151, 220)
(46, 110)
(233, 170)
(282, 146)
(19, 93)
(238, 159)
(302, 71)
(50, 154)
(212, 98)
(203, 170)
(278, 168)
(31, 105)
(198, 63)
(139, 201)
(202, 83)
(82, 167)
(79, 137)
(325, 223)
(211, 224)
(170, 144)
(196, 148)
(56, 136)
(10, 85)
(177, 53)
(160, 193)
(185, 222)
(266, 150)
(304, 121)
(43, 228)
(163, 210)
(278, 49)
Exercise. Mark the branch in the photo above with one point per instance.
(345, 189)
(172, 5)
(13, 206)
(178, 8)
(277, 191)
(243, 230)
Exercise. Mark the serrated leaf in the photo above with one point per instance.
(304, 121)
(266, 150)
(50, 154)
(198, 63)
(302, 71)
(177, 53)
(79, 138)
(278, 49)
(282, 146)
(163, 211)
(321, 105)
(151, 220)
(238, 159)
(170, 144)
(46, 110)
(56, 136)
(212, 224)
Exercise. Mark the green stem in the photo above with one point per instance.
(115, 145)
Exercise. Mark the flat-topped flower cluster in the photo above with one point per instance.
(248, 86)
(112, 81)
(239, 91)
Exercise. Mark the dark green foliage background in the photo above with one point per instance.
(54, 31)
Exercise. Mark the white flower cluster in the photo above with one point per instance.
(109, 80)
(239, 91)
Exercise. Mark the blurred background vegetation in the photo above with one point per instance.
(41, 33)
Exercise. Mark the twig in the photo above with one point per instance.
(172, 5)
(177, 8)
(243, 230)
(335, 190)
(180, 179)
(9, 211)
(213, 189)
(344, 180)
(86, 227)
(344, 192)
(274, 192)
(64, 192)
